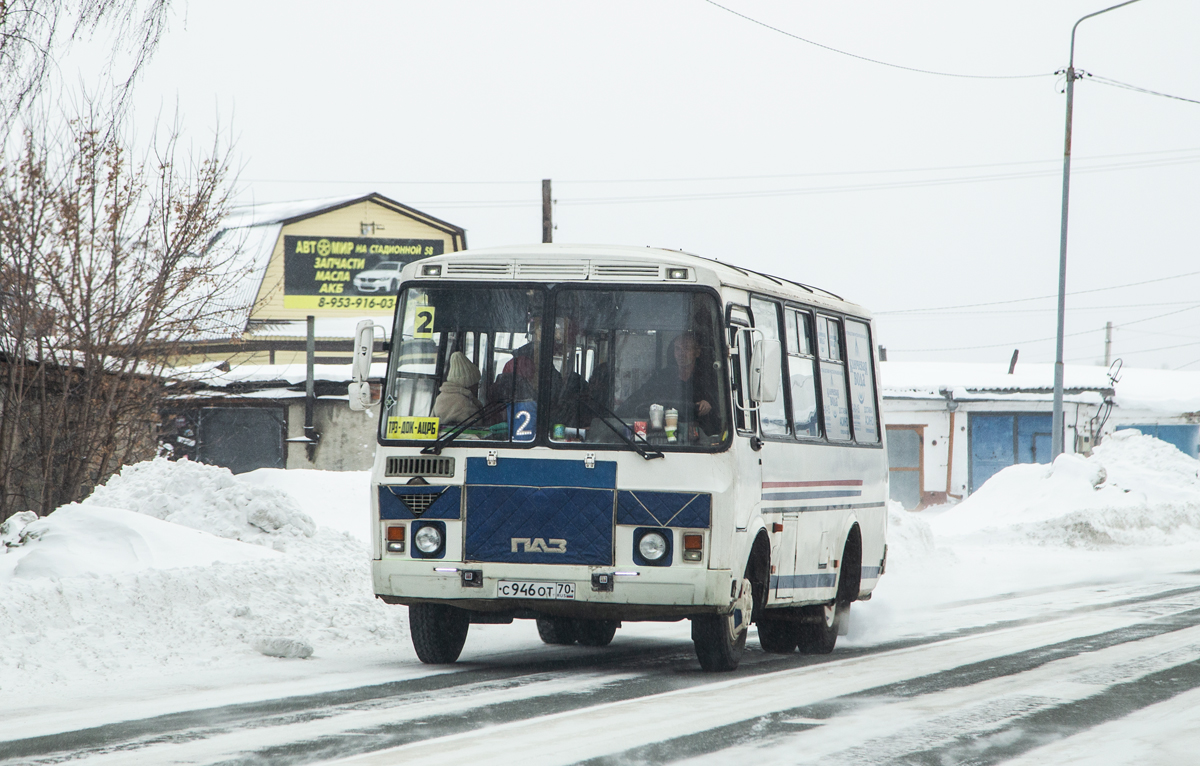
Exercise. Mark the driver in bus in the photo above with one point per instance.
(518, 381)
(688, 384)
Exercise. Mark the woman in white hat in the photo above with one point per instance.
(456, 400)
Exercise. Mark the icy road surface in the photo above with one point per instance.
(1051, 618)
(1091, 673)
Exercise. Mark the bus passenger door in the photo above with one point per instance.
(747, 459)
(777, 453)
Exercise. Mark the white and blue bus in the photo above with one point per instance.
(586, 435)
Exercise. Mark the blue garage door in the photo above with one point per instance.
(998, 441)
(1186, 438)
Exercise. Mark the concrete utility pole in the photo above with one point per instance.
(1056, 438)
(547, 223)
(1107, 343)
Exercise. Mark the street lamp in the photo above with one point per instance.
(1056, 438)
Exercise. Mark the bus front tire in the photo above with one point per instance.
(556, 630)
(595, 632)
(716, 649)
(438, 632)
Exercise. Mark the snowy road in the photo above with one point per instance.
(1084, 668)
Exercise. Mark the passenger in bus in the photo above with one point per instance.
(456, 400)
(688, 385)
(518, 382)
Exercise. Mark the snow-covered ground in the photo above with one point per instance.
(179, 586)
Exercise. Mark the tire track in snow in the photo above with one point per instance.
(666, 669)
(651, 729)
(1011, 725)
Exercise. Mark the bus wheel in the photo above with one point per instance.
(720, 639)
(777, 636)
(438, 632)
(819, 632)
(556, 630)
(595, 632)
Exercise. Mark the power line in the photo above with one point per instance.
(1136, 88)
(702, 179)
(1041, 297)
(1074, 310)
(881, 186)
(767, 193)
(877, 61)
(1010, 344)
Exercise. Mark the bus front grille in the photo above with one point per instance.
(419, 466)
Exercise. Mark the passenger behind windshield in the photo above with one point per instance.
(456, 400)
(687, 385)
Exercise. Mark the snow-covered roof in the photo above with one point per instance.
(212, 375)
(260, 214)
(1167, 392)
(324, 328)
(899, 378)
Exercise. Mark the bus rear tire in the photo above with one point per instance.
(595, 632)
(777, 636)
(819, 634)
(556, 630)
(438, 632)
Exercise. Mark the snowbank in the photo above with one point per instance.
(1133, 490)
(177, 567)
(205, 497)
(86, 541)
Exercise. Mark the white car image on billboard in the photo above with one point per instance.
(383, 278)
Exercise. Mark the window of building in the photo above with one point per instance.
(906, 458)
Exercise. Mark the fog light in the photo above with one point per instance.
(652, 546)
(428, 539)
(395, 547)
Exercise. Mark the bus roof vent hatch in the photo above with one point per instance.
(620, 272)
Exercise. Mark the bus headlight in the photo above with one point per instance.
(428, 539)
(652, 547)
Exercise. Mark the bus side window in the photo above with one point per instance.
(833, 379)
(862, 382)
(802, 367)
(771, 415)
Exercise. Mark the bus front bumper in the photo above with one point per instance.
(621, 593)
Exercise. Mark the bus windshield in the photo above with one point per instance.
(613, 365)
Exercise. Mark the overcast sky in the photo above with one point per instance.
(678, 124)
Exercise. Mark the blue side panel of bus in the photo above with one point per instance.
(532, 499)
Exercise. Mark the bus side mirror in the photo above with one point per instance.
(360, 365)
(764, 370)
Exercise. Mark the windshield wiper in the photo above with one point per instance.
(436, 447)
(642, 448)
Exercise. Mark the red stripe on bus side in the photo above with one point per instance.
(838, 483)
